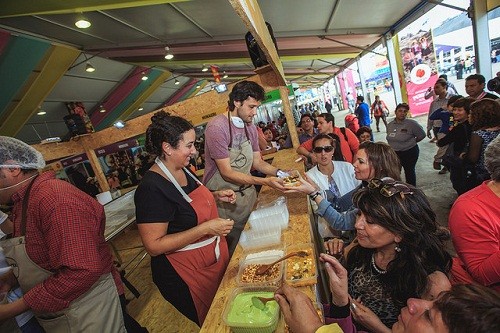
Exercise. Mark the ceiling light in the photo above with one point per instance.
(225, 76)
(89, 68)
(176, 82)
(144, 77)
(204, 69)
(168, 54)
(140, 109)
(102, 110)
(41, 112)
(82, 23)
(119, 124)
(198, 86)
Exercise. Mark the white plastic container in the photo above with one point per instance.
(253, 239)
(270, 217)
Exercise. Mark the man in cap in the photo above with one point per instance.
(57, 250)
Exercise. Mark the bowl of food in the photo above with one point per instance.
(247, 274)
(243, 316)
(292, 179)
(301, 271)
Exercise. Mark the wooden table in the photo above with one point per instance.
(298, 231)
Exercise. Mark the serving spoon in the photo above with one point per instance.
(266, 267)
(260, 302)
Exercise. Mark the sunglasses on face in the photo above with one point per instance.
(388, 187)
(319, 149)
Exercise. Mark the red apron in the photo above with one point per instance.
(202, 264)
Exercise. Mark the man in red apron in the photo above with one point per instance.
(58, 252)
(231, 150)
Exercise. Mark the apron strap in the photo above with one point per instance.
(25, 207)
(173, 180)
(204, 243)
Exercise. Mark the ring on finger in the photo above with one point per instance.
(353, 307)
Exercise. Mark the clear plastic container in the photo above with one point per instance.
(242, 317)
(270, 216)
(254, 239)
(247, 277)
(301, 271)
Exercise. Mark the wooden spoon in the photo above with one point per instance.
(260, 302)
(264, 268)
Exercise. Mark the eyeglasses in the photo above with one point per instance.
(306, 121)
(389, 187)
(319, 149)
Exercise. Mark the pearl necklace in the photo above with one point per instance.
(378, 270)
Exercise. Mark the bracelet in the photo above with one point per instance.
(281, 174)
(314, 195)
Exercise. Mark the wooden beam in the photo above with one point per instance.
(249, 11)
(199, 110)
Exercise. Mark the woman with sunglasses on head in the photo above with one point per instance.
(403, 136)
(464, 308)
(373, 159)
(400, 249)
(334, 178)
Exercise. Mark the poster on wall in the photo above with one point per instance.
(416, 50)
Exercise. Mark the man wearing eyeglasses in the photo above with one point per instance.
(349, 143)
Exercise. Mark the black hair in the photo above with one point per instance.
(480, 79)
(360, 98)
(244, 89)
(165, 128)
(453, 99)
(329, 118)
(422, 247)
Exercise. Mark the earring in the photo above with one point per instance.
(397, 248)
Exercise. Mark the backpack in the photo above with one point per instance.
(352, 122)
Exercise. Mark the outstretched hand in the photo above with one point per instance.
(297, 309)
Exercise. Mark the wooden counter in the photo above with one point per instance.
(298, 231)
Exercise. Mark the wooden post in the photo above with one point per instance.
(96, 166)
(287, 110)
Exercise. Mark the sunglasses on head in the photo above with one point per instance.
(388, 187)
(319, 149)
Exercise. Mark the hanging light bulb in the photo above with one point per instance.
(41, 112)
(225, 76)
(89, 68)
(198, 86)
(176, 82)
(168, 54)
(82, 22)
(102, 109)
(144, 77)
(204, 69)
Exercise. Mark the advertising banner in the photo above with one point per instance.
(416, 50)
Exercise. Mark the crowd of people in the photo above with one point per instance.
(388, 265)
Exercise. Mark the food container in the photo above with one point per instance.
(247, 277)
(254, 239)
(272, 216)
(292, 180)
(301, 271)
(242, 317)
